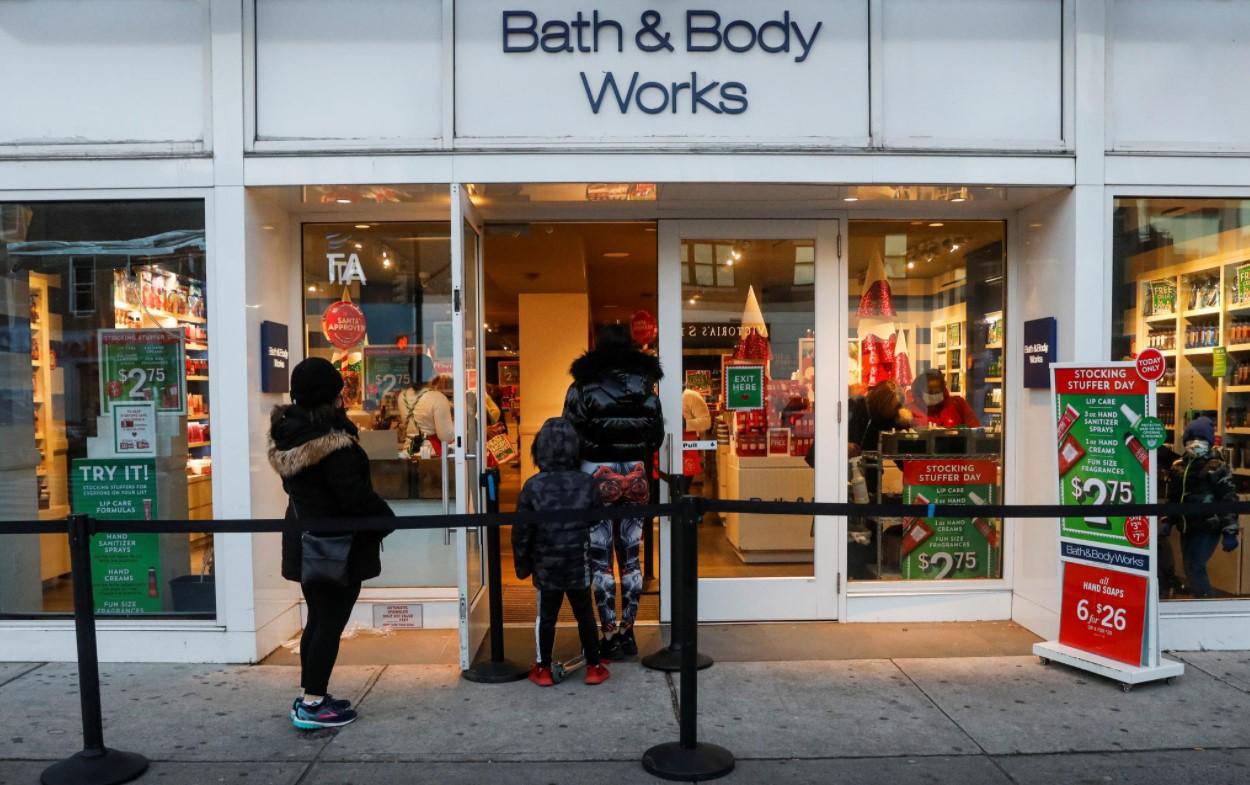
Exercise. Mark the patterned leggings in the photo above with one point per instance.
(621, 538)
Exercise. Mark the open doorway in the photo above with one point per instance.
(546, 287)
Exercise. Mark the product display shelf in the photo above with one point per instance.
(51, 480)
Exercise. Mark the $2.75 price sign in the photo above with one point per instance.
(143, 365)
(388, 369)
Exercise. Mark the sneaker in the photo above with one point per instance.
(326, 714)
(541, 676)
(610, 648)
(629, 646)
(597, 673)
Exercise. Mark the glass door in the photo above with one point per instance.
(748, 386)
(466, 303)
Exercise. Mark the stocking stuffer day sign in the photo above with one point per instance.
(1108, 603)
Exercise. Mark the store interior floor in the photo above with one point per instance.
(768, 642)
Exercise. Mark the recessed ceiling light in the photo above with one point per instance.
(911, 265)
(957, 198)
(359, 246)
(850, 198)
(312, 288)
(615, 254)
(267, 227)
(386, 263)
(362, 226)
(343, 201)
(936, 224)
(691, 301)
(649, 229)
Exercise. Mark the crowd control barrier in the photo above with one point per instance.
(686, 759)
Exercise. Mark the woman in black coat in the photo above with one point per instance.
(614, 403)
(325, 473)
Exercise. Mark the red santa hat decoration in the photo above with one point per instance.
(883, 348)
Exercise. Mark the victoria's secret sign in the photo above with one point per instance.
(698, 31)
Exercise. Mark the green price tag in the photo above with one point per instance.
(1219, 362)
(1151, 432)
(744, 387)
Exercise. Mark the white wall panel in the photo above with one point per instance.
(86, 72)
(795, 94)
(1177, 75)
(972, 73)
(349, 70)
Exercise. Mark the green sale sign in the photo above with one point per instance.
(143, 365)
(950, 548)
(125, 568)
(1103, 452)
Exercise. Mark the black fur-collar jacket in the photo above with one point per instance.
(614, 403)
(325, 474)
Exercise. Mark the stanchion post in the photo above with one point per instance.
(96, 764)
(688, 759)
(668, 658)
(498, 669)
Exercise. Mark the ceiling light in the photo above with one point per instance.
(343, 201)
(359, 246)
(615, 254)
(911, 265)
(936, 224)
(312, 288)
(386, 263)
(850, 198)
(267, 227)
(362, 226)
(736, 254)
(691, 301)
(729, 263)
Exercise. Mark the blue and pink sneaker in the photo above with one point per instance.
(330, 713)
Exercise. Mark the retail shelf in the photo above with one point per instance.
(1166, 390)
(996, 345)
(1239, 308)
(197, 478)
(993, 409)
(197, 416)
(1161, 317)
(36, 363)
(157, 313)
(1213, 310)
(994, 379)
(1238, 347)
(38, 401)
(197, 445)
(197, 347)
(1237, 388)
(1238, 431)
(1200, 350)
(1168, 352)
(197, 378)
(1242, 472)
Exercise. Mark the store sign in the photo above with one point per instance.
(950, 548)
(134, 428)
(343, 324)
(744, 387)
(1039, 351)
(143, 365)
(345, 268)
(125, 567)
(275, 358)
(639, 68)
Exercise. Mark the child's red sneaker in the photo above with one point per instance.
(597, 673)
(541, 676)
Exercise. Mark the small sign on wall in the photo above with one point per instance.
(399, 615)
(134, 428)
(1039, 351)
(275, 358)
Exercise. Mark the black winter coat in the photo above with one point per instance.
(614, 404)
(1202, 480)
(555, 554)
(325, 473)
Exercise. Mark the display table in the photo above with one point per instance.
(763, 539)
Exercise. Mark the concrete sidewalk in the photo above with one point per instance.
(898, 721)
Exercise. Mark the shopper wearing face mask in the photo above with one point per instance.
(1201, 476)
(933, 405)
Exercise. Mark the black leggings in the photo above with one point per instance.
(549, 603)
(328, 612)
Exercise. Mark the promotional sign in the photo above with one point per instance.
(444, 342)
(744, 387)
(950, 548)
(275, 358)
(134, 428)
(125, 568)
(143, 365)
(1108, 605)
(1102, 459)
(701, 382)
(1219, 362)
(1040, 337)
(388, 369)
(643, 327)
(343, 324)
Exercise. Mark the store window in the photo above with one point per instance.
(378, 304)
(1182, 285)
(748, 362)
(104, 341)
(925, 395)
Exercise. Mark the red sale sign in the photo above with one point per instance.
(1103, 612)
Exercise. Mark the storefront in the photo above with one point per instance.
(796, 203)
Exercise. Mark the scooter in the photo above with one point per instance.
(562, 670)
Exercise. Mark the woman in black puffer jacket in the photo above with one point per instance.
(325, 472)
(614, 404)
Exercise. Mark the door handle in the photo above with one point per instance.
(446, 492)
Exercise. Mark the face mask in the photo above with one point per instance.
(934, 399)
(1198, 447)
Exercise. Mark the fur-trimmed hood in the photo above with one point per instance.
(299, 439)
(597, 363)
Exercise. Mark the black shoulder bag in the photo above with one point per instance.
(325, 558)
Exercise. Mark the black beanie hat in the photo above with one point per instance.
(315, 382)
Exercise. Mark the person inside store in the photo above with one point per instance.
(425, 416)
(614, 404)
(325, 472)
(934, 405)
(1200, 476)
(881, 409)
(556, 553)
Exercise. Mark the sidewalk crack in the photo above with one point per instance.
(1190, 664)
(36, 666)
(672, 697)
(985, 753)
(316, 758)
